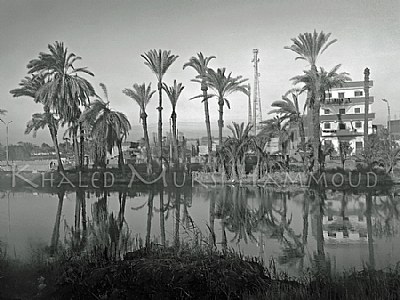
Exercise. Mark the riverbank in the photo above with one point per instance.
(187, 273)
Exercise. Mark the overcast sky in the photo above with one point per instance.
(110, 36)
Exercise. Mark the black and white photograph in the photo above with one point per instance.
(199, 149)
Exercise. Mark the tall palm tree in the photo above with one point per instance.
(42, 120)
(159, 62)
(326, 81)
(200, 65)
(223, 85)
(142, 95)
(173, 93)
(101, 120)
(289, 110)
(309, 46)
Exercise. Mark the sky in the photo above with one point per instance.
(110, 36)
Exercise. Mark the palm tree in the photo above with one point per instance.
(64, 87)
(142, 95)
(57, 84)
(289, 110)
(173, 93)
(224, 85)
(159, 62)
(309, 46)
(237, 145)
(101, 120)
(276, 127)
(40, 121)
(326, 81)
(200, 65)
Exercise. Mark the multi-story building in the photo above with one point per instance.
(342, 115)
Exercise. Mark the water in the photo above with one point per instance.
(299, 229)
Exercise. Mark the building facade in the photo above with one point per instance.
(342, 116)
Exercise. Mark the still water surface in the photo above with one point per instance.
(298, 229)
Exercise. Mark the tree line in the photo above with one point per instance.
(69, 100)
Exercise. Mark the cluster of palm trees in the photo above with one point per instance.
(288, 115)
(69, 99)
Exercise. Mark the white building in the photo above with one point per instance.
(342, 115)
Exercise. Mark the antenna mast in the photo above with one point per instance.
(257, 115)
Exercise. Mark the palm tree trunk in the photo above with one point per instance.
(120, 154)
(76, 148)
(160, 120)
(303, 141)
(53, 133)
(82, 146)
(204, 88)
(233, 170)
(220, 121)
(366, 107)
(147, 142)
(174, 137)
(316, 123)
(56, 231)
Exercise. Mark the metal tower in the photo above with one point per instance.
(257, 115)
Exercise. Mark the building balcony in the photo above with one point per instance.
(346, 101)
(342, 132)
(345, 117)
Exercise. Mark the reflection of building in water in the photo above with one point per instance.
(344, 220)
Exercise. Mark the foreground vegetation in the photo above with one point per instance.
(187, 273)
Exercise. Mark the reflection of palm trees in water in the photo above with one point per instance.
(149, 216)
(268, 220)
(317, 198)
(239, 218)
(56, 230)
(368, 213)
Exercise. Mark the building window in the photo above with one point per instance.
(359, 145)
(358, 124)
(342, 126)
(340, 95)
(327, 125)
(327, 111)
(342, 111)
(357, 110)
(358, 93)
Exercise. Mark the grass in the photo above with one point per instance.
(184, 272)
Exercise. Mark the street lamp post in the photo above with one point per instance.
(389, 127)
(6, 138)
